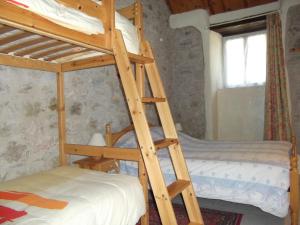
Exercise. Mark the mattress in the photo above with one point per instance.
(255, 173)
(76, 20)
(72, 196)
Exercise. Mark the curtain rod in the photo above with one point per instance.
(244, 18)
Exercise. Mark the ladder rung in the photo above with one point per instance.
(152, 100)
(165, 143)
(177, 187)
(140, 59)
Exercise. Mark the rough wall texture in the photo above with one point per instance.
(187, 90)
(293, 64)
(28, 128)
(28, 124)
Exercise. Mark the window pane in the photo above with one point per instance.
(256, 59)
(235, 62)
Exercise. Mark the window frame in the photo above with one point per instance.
(226, 38)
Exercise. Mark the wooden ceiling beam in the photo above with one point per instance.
(223, 5)
(210, 7)
(214, 6)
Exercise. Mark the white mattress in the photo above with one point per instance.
(76, 20)
(92, 197)
(255, 173)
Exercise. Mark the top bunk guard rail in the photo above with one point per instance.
(62, 41)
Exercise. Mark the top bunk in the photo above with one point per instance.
(67, 35)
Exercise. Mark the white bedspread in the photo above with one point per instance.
(255, 173)
(76, 20)
(93, 198)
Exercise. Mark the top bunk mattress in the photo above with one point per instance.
(76, 20)
(69, 195)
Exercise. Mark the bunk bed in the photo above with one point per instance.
(263, 173)
(62, 36)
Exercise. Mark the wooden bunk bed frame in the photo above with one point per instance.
(29, 24)
(113, 137)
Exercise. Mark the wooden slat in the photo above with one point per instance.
(14, 37)
(38, 48)
(177, 187)
(152, 100)
(24, 44)
(165, 143)
(5, 29)
(23, 19)
(130, 154)
(27, 63)
(65, 54)
(92, 62)
(52, 51)
(139, 59)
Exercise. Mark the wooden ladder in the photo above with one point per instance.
(163, 194)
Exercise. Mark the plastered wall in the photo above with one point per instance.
(292, 40)
(241, 113)
(28, 118)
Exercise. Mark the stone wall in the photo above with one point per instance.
(28, 125)
(187, 90)
(293, 64)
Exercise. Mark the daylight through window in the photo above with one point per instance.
(245, 59)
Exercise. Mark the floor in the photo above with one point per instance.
(251, 214)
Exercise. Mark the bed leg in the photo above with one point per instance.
(294, 189)
(144, 181)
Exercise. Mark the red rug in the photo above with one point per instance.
(210, 217)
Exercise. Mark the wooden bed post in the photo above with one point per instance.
(61, 117)
(144, 182)
(110, 141)
(109, 24)
(108, 135)
(294, 188)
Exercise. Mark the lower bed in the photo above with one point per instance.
(255, 173)
(72, 196)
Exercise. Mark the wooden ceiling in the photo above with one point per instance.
(213, 6)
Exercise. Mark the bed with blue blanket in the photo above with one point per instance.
(255, 173)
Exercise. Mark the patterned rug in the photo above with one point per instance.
(210, 217)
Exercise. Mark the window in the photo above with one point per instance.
(245, 59)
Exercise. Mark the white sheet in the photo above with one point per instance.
(94, 198)
(76, 20)
(255, 173)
